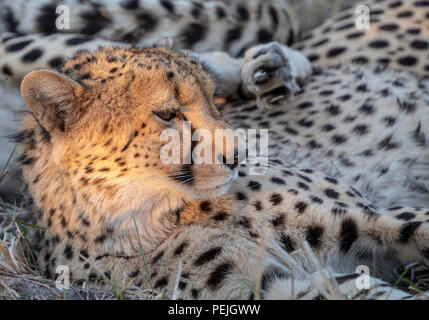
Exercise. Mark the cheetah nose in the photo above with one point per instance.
(233, 165)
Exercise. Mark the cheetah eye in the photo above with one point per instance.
(217, 92)
(167, 115)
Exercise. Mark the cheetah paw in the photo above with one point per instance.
(271, 71)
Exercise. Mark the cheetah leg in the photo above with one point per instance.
(20, 55)
(365, 237)
(340, 286)
(199, 26)
(221, 265)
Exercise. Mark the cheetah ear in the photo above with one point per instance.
(51, 97)
(167, 43)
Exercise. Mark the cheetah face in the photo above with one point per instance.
(109, 112)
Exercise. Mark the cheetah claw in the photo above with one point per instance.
(270, 73)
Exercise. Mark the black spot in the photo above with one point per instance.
(47, 257)
(331, 193)
(406, 216)
(419, 44)
(205, 206)
(301, 206)
(157, 257)
(161, 283)
(342, 279)
(389, 27)
(355, 35)
(338, 139)
(408, 61)
(84, 253)
(218, 276)
(302, 185)
(345, 26)
(96, 21)
(279, 221)
(317, 200)
(319, 43)
(242, 221)
(9, 19)
(362, 88)
(305, 105)
(407, 231)
(361, 129)
(276, 199)
(130, 4)
(264, 36)
(395, 4)
(378, 44)
(313, 236)
(422, 3)
(333, 110)
(18, 46)
(405, 14)
(233, 35)
(168, 5)
(6, 70)
(287, 243)
(254, 185)
(240, 196)
(425, 253)
(208, 256)
(360, 60)
(336, 51)
(278, 181)
(331, 180)
(258, 205)
(220, 12)
(195, 293)
(180, 248)
(313, 57)
(77, 40)
(414, 31)
(47, 19)
(220, 216)
(305, 123)
(348, 235)
(194, 33)
(243, 13)
(134, 274)
(56, 63)
(367, 108)
(387, 144)
(68, 252)
(147, 21)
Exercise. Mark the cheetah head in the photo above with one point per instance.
(104, 117)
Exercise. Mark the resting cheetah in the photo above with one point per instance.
(90, 155)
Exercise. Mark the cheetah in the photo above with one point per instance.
(90, 156)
